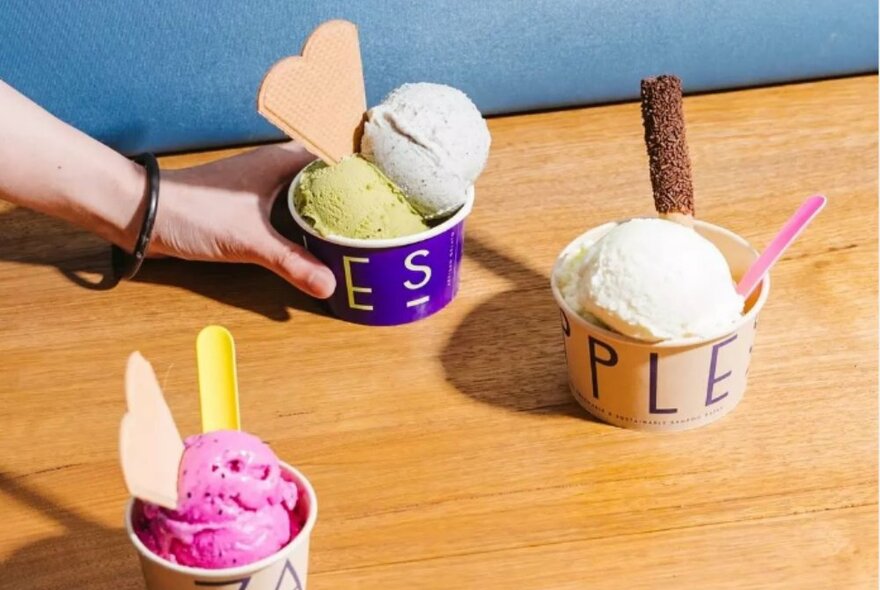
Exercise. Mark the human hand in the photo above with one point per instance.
(220, 212)
(215, 212)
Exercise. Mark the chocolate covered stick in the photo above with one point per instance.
(667, 148)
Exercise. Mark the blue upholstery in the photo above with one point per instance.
(175, 75)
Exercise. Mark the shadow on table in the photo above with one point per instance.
(84, 554)
(508, 352)
(30, 238)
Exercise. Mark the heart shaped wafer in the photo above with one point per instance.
(318, 98)
(149, 442)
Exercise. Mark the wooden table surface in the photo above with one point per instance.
(449, 453)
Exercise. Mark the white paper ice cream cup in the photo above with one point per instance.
(287, 569)
(664, 386)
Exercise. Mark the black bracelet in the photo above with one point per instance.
(126, 265)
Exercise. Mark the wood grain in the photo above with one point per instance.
(448, 453)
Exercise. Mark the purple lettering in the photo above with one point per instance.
(566, 327)
(595, 361)
(652, 390)
(713, 364)
(566, 332)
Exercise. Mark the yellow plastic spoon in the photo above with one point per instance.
(218, 384)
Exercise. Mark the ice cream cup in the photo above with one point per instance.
(669, 385)
(286, 569)
(389, 281)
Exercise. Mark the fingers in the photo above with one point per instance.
(297, 266)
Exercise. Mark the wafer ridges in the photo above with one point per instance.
(665, 139)
(318, 98)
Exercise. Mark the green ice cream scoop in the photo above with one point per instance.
(355, 200)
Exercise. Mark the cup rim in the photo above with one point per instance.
(457, 218)
(241, 570)
(672, 343)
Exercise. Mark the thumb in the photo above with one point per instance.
(296, 265)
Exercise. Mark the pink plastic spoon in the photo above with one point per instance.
(788, 234)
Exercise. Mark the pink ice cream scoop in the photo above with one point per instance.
(235, 505)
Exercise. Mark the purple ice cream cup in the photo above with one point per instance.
(388, 282)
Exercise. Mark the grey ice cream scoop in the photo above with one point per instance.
(431, 140)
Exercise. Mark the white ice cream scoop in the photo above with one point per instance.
(431, 141)
(653, 280)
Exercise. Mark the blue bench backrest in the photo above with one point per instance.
(175, 75)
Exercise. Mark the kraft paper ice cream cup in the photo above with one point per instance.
(286, 569)
(664, 386)
(389, 281)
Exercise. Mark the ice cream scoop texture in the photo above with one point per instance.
(355, 200)
(431, 140)
(235, 505)
(653, 280)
